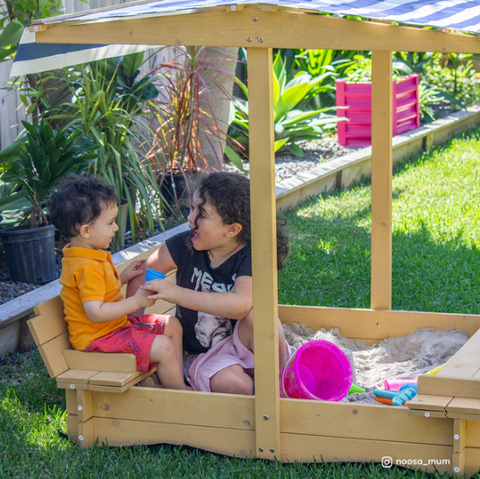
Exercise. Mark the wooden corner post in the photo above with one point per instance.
(264, 251)
(381, 286)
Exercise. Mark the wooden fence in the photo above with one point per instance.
(12, 111)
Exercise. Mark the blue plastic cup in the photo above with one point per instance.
(152, 274)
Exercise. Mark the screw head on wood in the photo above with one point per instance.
(72, 386)
(233, 8)
(260, 449)
(254, 19)
(272, 450)
(265, 417)
(260, 39)
(456, 437)
(427, 414)
(80, 438)
(79, 408)
(249, 39)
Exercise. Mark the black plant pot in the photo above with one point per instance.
(174, 191)
(30, 253)
(172, 188)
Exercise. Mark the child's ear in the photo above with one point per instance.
(233, 230)
(84, 231)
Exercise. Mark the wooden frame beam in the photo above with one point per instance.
(254, 27)
(381, 289)
(264, 252)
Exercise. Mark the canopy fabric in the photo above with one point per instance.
(34, 57)
(460, 15)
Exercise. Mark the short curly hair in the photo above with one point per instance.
(229, 193)
(78, 201)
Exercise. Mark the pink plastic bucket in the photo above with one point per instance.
(318, 370)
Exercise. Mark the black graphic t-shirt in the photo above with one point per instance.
(201, 331)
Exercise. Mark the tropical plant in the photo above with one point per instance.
(456, 80)
(187, 123)
(361, 69)
(428, 98)
(408, 63)
(9, 39)
(15, 15)
(317, 62)
(106, 106)
(44, 159)
(292, 124)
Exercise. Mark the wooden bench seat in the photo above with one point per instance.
(80, 373)
(103, 381)
(454, 392)
(92, 371)
(112, 372)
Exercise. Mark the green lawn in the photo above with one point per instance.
(436, 267)
(436, 238)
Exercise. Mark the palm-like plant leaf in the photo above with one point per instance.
(291, 124)
(42, 161)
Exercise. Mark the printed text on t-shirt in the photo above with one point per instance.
(204, 282)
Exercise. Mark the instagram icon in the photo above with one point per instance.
(387, 462)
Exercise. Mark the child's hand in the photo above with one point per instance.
(142, 298)
(132, 271)
(162, 289)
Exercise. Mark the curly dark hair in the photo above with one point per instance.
(79, 201)
(229, 193)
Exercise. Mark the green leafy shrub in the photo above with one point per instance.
(317, 62)
(105, 104)
(428, 97)
(457, 81)
(45, 158)
(292, 124)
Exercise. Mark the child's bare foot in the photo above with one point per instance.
(147, 383)
(156, 381)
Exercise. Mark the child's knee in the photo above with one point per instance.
(163, 350)
(173, 326)
(281, 331)
(232, 380)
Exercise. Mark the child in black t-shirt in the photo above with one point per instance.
(214, 285)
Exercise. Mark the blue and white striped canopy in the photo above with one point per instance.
(460, 15)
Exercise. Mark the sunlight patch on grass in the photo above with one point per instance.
(436, 237)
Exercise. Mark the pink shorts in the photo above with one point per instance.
(136, 338)
(227, 352)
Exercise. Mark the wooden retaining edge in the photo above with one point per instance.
(351, 169)
(335, 174)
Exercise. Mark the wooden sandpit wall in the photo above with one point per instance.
(431, 436)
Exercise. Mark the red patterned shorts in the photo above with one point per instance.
(136, 338)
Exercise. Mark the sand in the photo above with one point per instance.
(391, 358)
